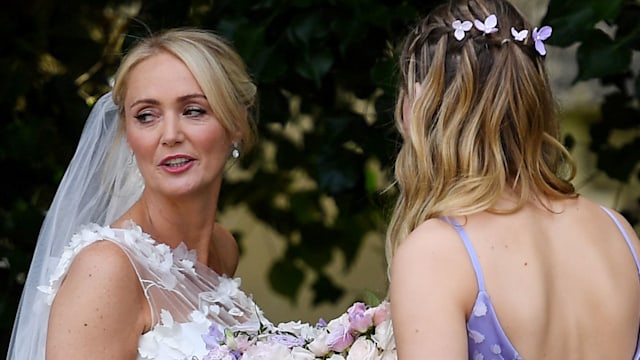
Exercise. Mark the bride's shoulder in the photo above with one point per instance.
(104, 262)
(95, 250)
(102, 288)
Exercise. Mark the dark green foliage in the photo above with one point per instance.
(608, 34)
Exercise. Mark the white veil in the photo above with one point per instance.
(101, 182)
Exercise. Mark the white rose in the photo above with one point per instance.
(319, 345)
(363, 349)
(389, 355)
(342, 321)
(267, 351)
(298, 353)
(221, 353)
(336, 357)
(383, 336)
(297, 328)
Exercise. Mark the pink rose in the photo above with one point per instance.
(340, 339)
(379, 313)
(359, 319)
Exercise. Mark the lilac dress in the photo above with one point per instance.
(487, 339)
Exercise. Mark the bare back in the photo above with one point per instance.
(563, 285)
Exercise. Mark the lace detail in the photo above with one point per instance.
(185, 295)
(159, 257)
(171, 340)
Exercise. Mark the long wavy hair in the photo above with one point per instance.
(482, 120)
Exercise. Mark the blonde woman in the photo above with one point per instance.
(130, 247)
(492, 253)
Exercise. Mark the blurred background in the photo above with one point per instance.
(309, 205)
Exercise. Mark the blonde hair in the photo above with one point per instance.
(484, 121)
(217, 68)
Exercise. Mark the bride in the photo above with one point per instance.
(130, 246)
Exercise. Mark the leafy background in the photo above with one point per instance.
(326, 77)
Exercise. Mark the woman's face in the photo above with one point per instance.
(180, 146)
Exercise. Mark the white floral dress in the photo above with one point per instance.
(185, 296)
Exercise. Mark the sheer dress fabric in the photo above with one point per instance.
(185, 296)
(101, 182)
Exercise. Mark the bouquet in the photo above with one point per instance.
(362, 332)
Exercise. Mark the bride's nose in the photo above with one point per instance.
(172, 132)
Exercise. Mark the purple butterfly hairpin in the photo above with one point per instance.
(539, 36)
(488, 26)
(460, 28)
(519, 35)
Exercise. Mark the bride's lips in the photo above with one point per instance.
(177, 163)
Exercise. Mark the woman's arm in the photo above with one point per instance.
(100, 310)
(432, 285)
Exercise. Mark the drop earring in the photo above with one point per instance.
(131, 162)
(235, 150)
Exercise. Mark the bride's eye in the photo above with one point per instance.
(194, 111)
(144, 118)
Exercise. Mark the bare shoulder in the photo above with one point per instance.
(433, 257)
(623, 222)
(105, 256)
(226, 249)
(102, 268)
(432, 288)
(100, 305)
(594, 211)
(432, 238)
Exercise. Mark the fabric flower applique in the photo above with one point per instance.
(519, 35)
(174, 340)
(539, 36)
(480, 309)
(488, 26)
(460, 28)
(476, 336)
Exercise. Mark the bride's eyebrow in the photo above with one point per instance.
(144, 101)
(180, 99)
(192, 96)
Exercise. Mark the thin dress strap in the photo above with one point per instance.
(470, 250)
(626, 236)
(636, 356)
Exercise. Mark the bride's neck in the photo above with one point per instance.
(175, 221)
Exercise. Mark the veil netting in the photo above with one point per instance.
(101, 182)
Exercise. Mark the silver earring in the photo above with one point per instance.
(132, 160)
(235, 150)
